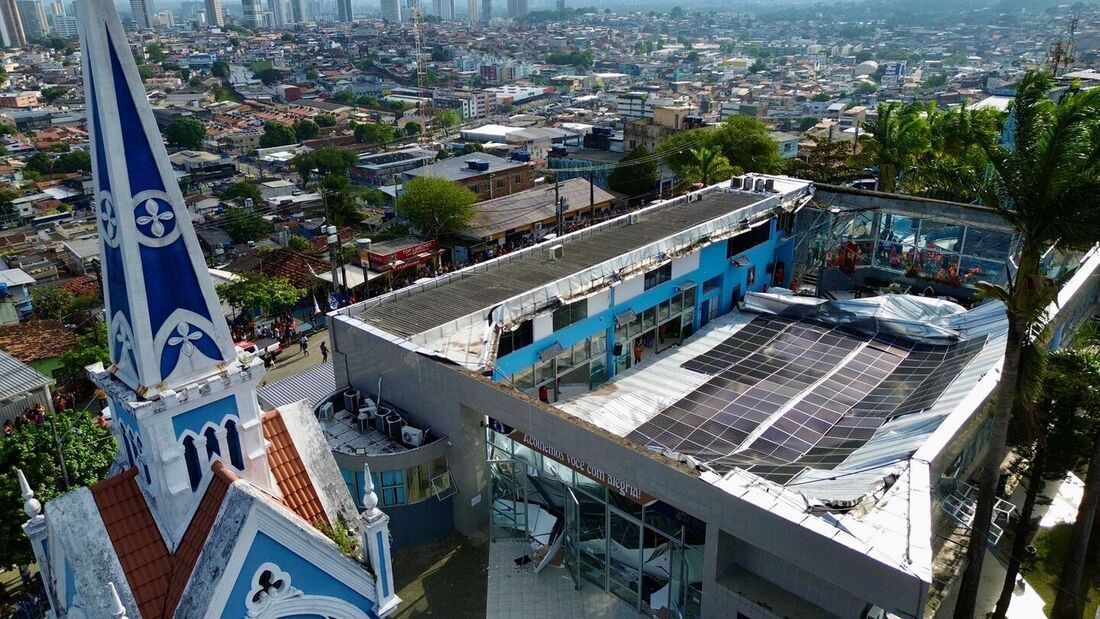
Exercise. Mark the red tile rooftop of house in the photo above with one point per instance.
(156, 577)
(291, 475)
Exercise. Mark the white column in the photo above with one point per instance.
(376, 534)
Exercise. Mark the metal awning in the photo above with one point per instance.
(625, 318)
(312, 385)
(551, 351)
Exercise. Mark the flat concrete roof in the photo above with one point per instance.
(480, 290)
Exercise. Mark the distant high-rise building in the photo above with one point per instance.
(278, 12)
(164, 19)
(299, 14)
(517, 8)
(561, 5)
(444, 9)
(11, 27)
(391, 11)
(253, 13)
(214, 16)
(343, 11)
(142, 11)
(65, 26)
(486, 11)
(33, 16)
(471, 11)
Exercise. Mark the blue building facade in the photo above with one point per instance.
(585, 343)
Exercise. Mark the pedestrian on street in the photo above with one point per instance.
(303, 344)
(324, 352)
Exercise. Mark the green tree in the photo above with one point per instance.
(39, 163)
(374, 133)
(866, 88)
(412, 129)
(325, 120)
(244, 225)
(939, 80)
(92, 347)
(447, 119)
(440, 54)
(241, 190)
(87, 451)
(185, 133)
(709, 166)
(306, 129)
(51, 302)
(51, 94)
(75, 161)
(269, 75)
(277, 134)
(341, 202)
(154, 53)
(144, 72)
(635, 175)
(828, 161)
(744, 140)
(953, 168)
(323, 163)
(436, 206)
(220, 68)
(298, 243)
(250, 291)
(893, 140)
(1048, 187)
(346, 97)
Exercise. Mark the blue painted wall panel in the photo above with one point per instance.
(213, 412)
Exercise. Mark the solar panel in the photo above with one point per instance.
(807, 395)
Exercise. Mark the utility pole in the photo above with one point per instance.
(333, 247)
(558, 208)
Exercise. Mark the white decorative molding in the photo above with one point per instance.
(270, 589)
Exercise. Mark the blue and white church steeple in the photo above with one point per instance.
(180, 396)
(165, 321)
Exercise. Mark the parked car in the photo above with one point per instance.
(267, 348)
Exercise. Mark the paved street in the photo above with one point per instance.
(291, 361)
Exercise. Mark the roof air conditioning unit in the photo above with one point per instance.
(413, 437)
(736, 182)
(746, 183)
(556, 252)
(769, 185)
(759, 185)
(326, 410)
(634, 218)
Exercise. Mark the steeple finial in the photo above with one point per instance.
(165, 323)
(31, 506)
(118, 611)
(370, 499)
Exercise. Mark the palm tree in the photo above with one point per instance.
(953, 168)
(894, 139)
(707, 165)
(1048, 187)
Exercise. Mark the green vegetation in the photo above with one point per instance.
(185, 133)
(51, 94)
(277, 134)
(256, 291)
(87, 451)
(220, 68)
(244, 225)
(338, 533)
(323, 163)
(92, 347)
(1043, 573)
(154, 53)
(325, 120)
(637, 174)
(306, 130)
(56, 303)
(341, 200)
(374, 133)
(742, 140)
(579, 59)
(298, 243)
(241, 190)
(75, 161)
(1048, 187)
(436, 206)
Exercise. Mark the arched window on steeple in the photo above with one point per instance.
(234, 441)
(212, 445)
(127, 444)
(191, 457)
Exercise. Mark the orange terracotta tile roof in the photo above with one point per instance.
(289, 471)
(156, 577)
(81, 285)
(293, 266)
(37, 340)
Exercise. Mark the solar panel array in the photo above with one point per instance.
(787, 394)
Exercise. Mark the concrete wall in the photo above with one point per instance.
(455, 402)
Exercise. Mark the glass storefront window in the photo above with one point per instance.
(899, 229)
(392, 487)
(544, 371)
(677, 304)
(662, 311)
(689, 296)
(580, 352)
(649, 318)
(599, 345)
(941, 236)
(973, 270)
(525, 378)
(982, 243)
